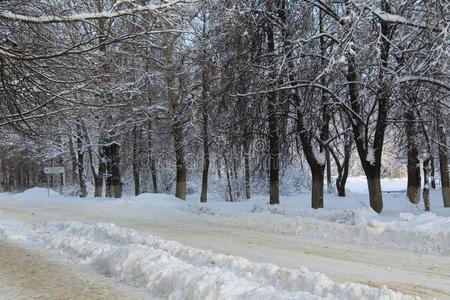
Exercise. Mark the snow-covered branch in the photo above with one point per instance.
(434, 81)
(90, 16)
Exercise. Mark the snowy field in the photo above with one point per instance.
(245, 250)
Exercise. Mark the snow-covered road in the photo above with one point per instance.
(28, 274)
(409, 254)
(404, 271)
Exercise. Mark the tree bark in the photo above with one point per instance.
(317, 187)
(248, 189)
(73, 158)
(274, 147)
(370, 150)
(227, 171)
(413, 167)
(177, 123)
(426, 183)
(136, 167)
(433, 172)
(443, 162)
(151, 159)
(108, 171)
(115, 170)
(374, 185)
(205, 138)
(113, 182)
(99, 177)
(81, 176)
(342, 168)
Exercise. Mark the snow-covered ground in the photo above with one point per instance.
(403, 247)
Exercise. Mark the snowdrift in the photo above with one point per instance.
(170, 270)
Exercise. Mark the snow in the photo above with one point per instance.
(319, 156)
(348, 219)
(36, 193)
(171, 270)
(370, 157)
(89, 16)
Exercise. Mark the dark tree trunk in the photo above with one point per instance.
(343, 168)
(433, 171)
(181, 171)
(328, 168)
(413, 186)
(99, 177)
(81, 175)
(248, 190)
(108, 171)
(73, 158)
(426, 183)
(317, 187)
(274, 143)
(115, 170)
(205, 172)
(136, 166)
(317, 167)
(370, 152)
(113, 183)
(151, 159)
(374, 185)
(227, 171)
(177, 123)
(274, 152)
(443, 162)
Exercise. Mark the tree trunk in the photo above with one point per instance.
(413, 186)
(108, 171)
(325, 131)
(115, 171)
(370, 150)
(99, 177)
(342, 175)
(274, 147)
(81, 176)
(136, 167)
(73, 158)
(204, 193)
(328, 168)
(443, 162)
(426, 183)
(433, 171)
(248, 191)
(317, 187)
(177, 124)
(151, 159)
(113, 182)
(227, 170)
(375, 195)
(181, 176)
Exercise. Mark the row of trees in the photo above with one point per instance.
(156, 91)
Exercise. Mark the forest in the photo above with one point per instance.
(238, 98)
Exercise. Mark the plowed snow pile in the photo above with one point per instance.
(170, 270)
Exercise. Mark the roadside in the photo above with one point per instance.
(28, 274)
(403, 271)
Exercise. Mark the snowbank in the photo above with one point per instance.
(401, 226)
(36, 193)
(171, 270)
